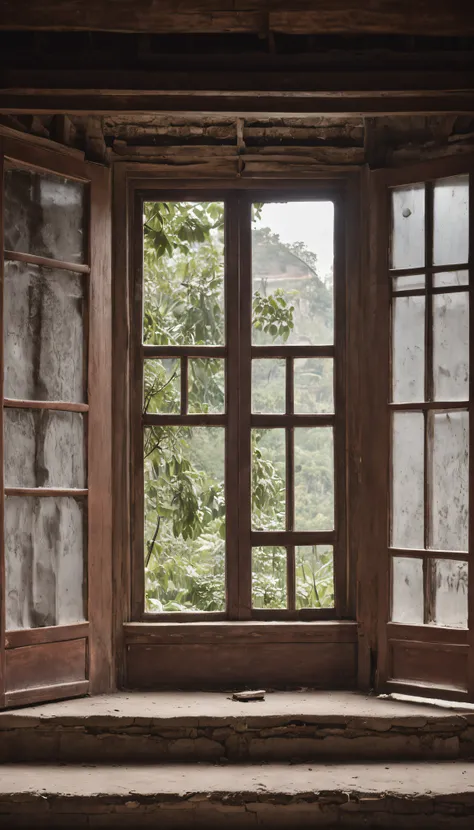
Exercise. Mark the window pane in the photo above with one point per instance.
(314, 478)
(450, 593)
(45, 542)
(407, 590)
(449, 481)
(408, 349)
(451, 221)
(412, 282)
(184, 519)
(206, 385)
(451, 346)
(407, 480)
(408, 227)
(314, 385)
(162, 385)
(314, 576)
(292, 272)
(450, 278)
(268, 479)
(269, 577)
(44, 333)
(44, 215)
(43, 448)
(268, 386)
(183, 274)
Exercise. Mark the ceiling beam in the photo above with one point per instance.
(404, 17)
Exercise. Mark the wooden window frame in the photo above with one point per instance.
(238, 562)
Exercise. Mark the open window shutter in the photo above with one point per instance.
(56, 425)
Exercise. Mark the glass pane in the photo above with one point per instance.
(450, 278)
(43, 448)
(162, 385)
(268, 386)
(408, 227)
(292, 273)
(407, 590)
(314, 576)
(269, 578)
(206, 385)
(44, 333)
(314, 478)
(44, 215)
(408, 349)
(183, 273)
(450, 593)
(449, 484)
(184, 519)
(268, 479)
(451, 221)
(407, 480)
(413, 282)
(451, 346)
(314, 385)
(45, 541)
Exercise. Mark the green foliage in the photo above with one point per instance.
(184, 467)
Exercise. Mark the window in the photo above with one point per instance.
(238, 437)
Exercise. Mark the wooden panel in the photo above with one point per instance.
(226, 633)
(431, 663)
(52, 663)
(269, 665)
(426, 17)
(48, 634)
(45, 694)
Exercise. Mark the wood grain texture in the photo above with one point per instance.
(49, 634)
(52, 663)
(241, 632)
(45, 694)
(434, 664)
(438, 17)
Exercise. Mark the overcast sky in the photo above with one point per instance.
(308, 222)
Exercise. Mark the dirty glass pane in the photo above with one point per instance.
(44, 333)
(314, 385)
(407, 480)
(268, 479)
(449, 480)
(269, 577)
(314, 478)
(408, 227)
(45, 541)
(44, 448)
(183, 273)
(184, 519)
(451, 221)
(412, 282)
(450, 278)
(206, 381)
(44, 215)
(407, 590)
(314, 576)
(408, 349)
(451, 346)
(268, 386)
(292, 273)
(450, 593)
(162, 385)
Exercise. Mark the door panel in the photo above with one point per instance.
(424, 276)
(56, 430)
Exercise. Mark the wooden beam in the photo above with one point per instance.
(425, 17)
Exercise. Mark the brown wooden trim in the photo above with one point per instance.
(432, 269)
(180, 351)
(184, 385)
(290, 579)
(182, 616)
(470, 662)
(288, 421)
(420, 292)
(167, 633)
(287, 537)
(245, 409)
(430, 553)
(424, 406)
(25, 151)
(427, 634)
(2, 476)
(50, 634)
(204, 419)
(144, 179)
(45, 694)
(46, 262)
(45, 492)
(39, 141)
(64, 406)
(293, 614)
(286, 351)
(422, 690)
